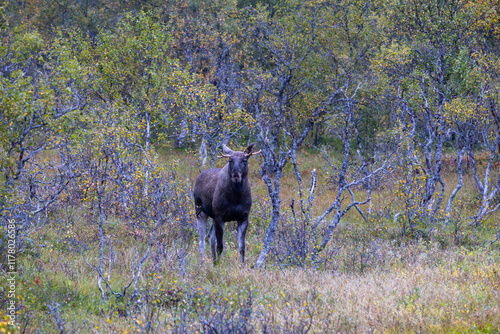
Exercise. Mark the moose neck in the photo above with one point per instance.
(238, 186)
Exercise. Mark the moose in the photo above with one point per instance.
(224, 195)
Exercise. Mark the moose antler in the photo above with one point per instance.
(253, 153)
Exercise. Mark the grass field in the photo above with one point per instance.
(370, 279)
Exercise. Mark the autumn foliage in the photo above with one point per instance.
(376, 193)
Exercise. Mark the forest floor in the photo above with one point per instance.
(371, 278)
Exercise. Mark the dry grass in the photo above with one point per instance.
(418, 287)
(373, 280)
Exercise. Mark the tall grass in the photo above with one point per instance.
(371, 278)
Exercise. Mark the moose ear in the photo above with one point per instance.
(249, 149)
(227, 150)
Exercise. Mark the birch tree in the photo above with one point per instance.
(315, 60)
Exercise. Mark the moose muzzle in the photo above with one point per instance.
(236, 177)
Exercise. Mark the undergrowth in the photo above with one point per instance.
(373, 276)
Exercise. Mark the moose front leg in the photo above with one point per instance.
(216, 239)
(242, 230)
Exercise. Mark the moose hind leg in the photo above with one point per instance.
(242, 230)
(202, 230)
(219, 235)
(213, 242)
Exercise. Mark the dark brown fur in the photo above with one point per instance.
(224, 194)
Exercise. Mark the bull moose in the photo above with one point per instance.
(224, 194)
